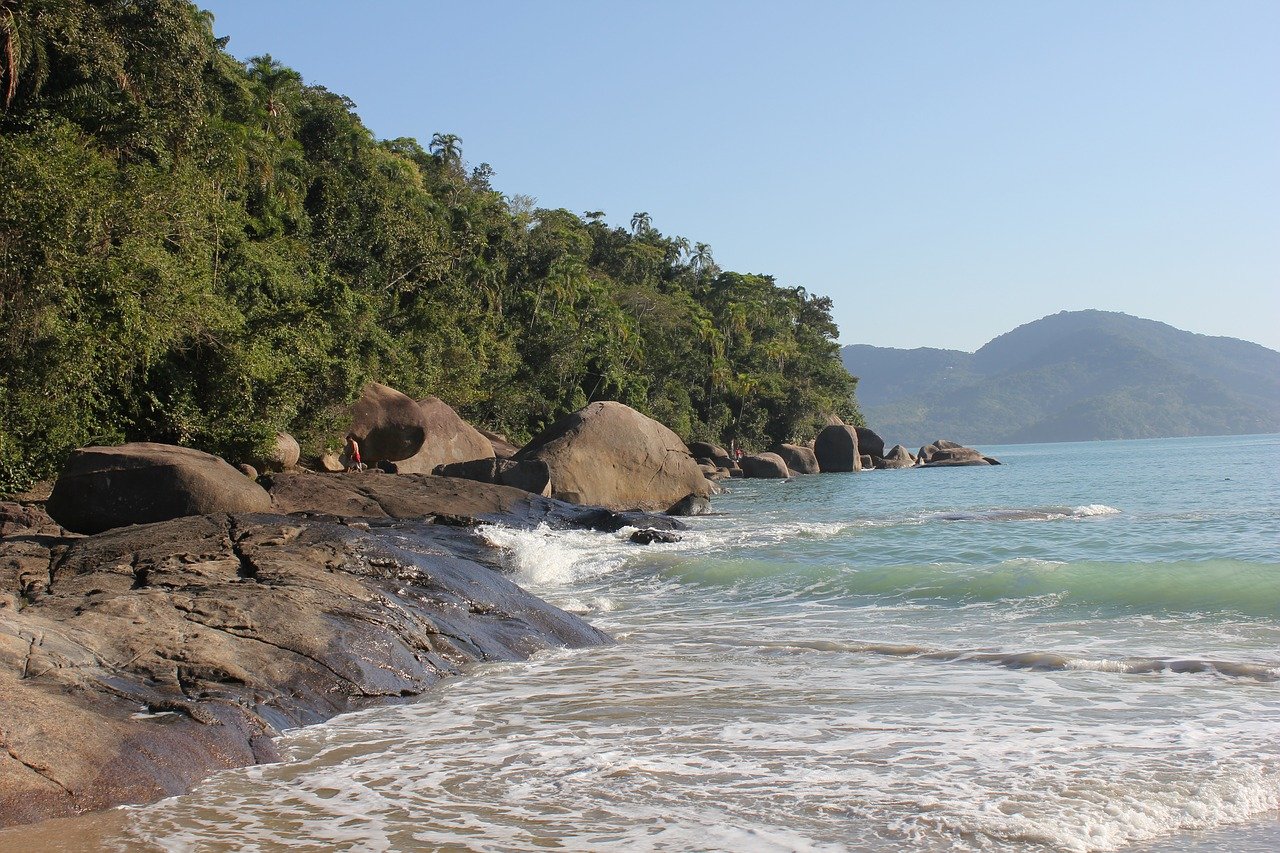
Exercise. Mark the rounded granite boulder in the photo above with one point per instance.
(105, 487)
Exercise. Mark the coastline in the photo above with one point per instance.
(140, 660)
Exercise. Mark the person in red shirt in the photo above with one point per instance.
(354, 463)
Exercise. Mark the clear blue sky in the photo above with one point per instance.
(944, 171)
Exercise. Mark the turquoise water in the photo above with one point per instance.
(1076, 650)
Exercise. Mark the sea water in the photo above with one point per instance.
(1076, 650)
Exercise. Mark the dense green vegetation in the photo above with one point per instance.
(1074, 376)
(203, 251)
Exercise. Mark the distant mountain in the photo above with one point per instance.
(1073, 376)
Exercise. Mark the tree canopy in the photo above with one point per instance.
(204, 251)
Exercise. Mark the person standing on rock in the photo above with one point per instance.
(354, 462)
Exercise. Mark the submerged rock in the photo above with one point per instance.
(648, 537)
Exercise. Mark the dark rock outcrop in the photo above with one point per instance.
(837, 449)
(610, 455)
(105, 487)
(448, 439)
(529, 475)
(714, 453)
(946, 454)
(705, 450)
(799, 459)
(648, 537)
(869, 443)
(764, 466)
(135, 662)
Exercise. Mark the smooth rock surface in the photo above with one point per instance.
(837, 449)
(135, 662)
(387, 424)
(870, 443)
(421, 497)
(897, 457)
(283, 454)
(105, 487)
(765, 466)
(447, 439)
(610, 455)
(799, 459)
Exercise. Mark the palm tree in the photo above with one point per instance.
(640, 222)
(275, 81)
(21, 49)
(679, 247)
(447, 148)
(701, 258)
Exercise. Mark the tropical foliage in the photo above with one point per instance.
(203, 251)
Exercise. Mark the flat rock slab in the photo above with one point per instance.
(419, 496)
(136, 661)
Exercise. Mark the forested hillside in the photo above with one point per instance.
(1074, 376)
(202, 251)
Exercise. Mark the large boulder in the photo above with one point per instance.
(837, 449)
(105, 487)
(706, 450)
(448, 439)
(282, 454)
(946, 454)
(941, 444)
(387, 424)
(713, 453)
(799, 459)
(950, 457)
(898, 457)
(610, 455)
(764, 466)
(869, 443)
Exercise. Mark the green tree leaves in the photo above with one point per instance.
(202, 251)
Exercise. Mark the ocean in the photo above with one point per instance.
(1076, 650)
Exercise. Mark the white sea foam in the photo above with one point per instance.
(1094, 509)
(547, 557)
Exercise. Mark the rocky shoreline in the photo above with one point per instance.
(169, 616)
(136, 661)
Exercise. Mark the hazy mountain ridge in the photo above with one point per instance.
(1072, 376)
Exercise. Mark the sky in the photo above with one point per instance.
(943, 171)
